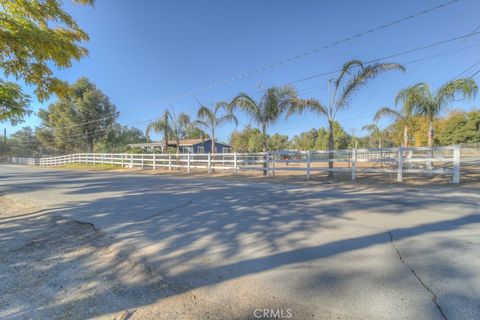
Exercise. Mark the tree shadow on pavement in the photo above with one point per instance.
(196, 234)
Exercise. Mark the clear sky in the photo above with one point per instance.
(142, 53)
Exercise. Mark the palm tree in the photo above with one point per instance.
(163, 124)
(211, 118)
(267, 111)
(429, 105)
(374, 132)
(404, 115)
(358, 75)
(171, 126)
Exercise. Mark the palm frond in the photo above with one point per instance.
(204, 124)
(246, 103)
(229, 117)
(466, 87)
(360, 78)
(388, 112)
(371, 128)
(298, 106)
(417, 99)
(205, 114)
(157, 126)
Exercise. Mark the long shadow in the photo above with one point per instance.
(185, 220)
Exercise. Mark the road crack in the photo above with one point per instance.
(434, 296)
(167, 210)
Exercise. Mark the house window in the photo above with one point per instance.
(200, 149)
(227, 150)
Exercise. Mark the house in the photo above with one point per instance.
(186, 146)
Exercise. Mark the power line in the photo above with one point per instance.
(307, 53)
(296, 57)
(476, 72)
(468, 69)
(338, 70)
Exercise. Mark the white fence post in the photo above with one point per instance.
(131, 160)
(456, 164)
(169, 162)
(235, 166)
(103, 159)
(209, 163)
(400, 165)
(143, 161)
(273, 163)
(188, 162)
(154, 161)
(308, 164)
(354, 163)
(122, 160)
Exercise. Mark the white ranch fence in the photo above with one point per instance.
(416, 160)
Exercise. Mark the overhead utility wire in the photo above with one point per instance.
(299, 56)
(333, 72)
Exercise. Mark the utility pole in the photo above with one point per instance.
(353, 137)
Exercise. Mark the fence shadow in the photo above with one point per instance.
(181, 222)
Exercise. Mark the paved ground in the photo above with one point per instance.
(325, 252)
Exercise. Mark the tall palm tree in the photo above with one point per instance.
(267, 111)
(430, 105)
(171, 125)
(373, 132)
(164, 125)
(211, 118)
(404, 115)
(356, 75)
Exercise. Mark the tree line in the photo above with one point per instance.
(84, 119)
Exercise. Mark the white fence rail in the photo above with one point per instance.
(416, 160)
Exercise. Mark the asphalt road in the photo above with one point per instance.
(322, 251)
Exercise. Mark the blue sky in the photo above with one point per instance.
(143, 53)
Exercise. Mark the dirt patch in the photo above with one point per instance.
(9, 207)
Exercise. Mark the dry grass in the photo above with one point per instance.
(93, 167)
(470, 174)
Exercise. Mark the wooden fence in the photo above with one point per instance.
(416, 160)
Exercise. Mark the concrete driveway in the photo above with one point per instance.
(320, 251)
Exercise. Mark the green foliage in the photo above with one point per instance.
(268, 110)
(305, 140)
(248, 140)
(211, 118)
(278, 142)
(319, 139)
(175, 127)
(460, 127)
(24, 143)
(13, 103)
(375, 136)
(77, 120)
(429, 105)
(354, 75)
(36, 35)
(135, 150)
(118, 138)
